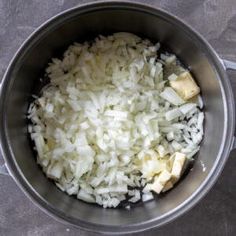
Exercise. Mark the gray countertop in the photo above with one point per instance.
(216, 213)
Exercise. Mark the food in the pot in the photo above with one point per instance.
(185, 85)
(117, 121)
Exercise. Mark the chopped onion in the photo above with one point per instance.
(187, 108)
(171, 96)
(147, 197)
(109, 121)
(173, 114)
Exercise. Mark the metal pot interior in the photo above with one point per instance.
(84, 24)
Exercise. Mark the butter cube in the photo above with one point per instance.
(185, 86)
(160, 181)
(157, 186)
(178, 163)
(164, 177)
(167, 186)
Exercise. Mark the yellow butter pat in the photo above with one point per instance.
(185, 86)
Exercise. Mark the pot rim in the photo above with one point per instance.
(229, 122)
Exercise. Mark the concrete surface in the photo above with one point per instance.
(216, 214)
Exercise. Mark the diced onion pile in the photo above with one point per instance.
(112, 124)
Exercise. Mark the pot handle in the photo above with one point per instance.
(229, 65)
(3, 170)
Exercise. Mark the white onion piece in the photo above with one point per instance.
(171, 96)
(173, 114)
(187, 108)
(147, 197)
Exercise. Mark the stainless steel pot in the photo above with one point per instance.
(85, 22)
